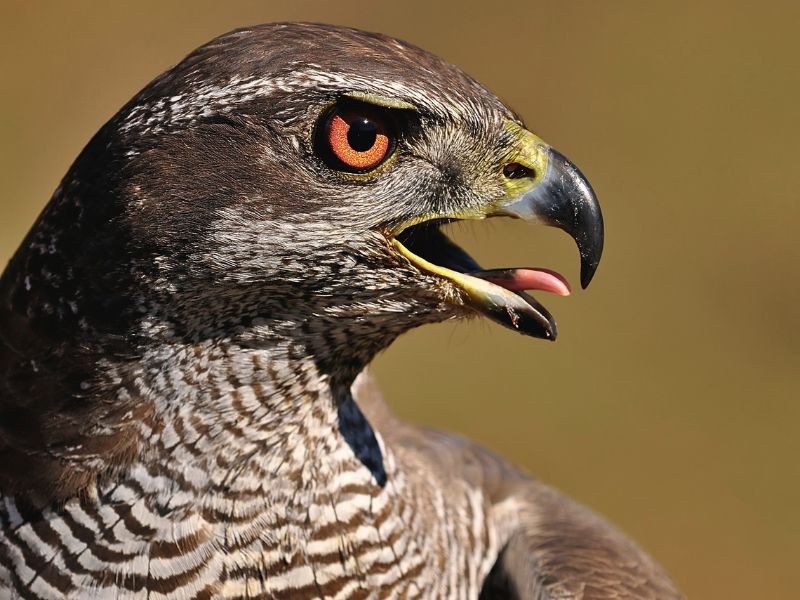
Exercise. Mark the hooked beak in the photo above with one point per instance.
(542, 186)
(564, 199)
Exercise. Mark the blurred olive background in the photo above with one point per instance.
(670, 401)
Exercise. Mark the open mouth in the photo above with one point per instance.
(497, 293)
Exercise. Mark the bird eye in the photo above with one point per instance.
(355, 139)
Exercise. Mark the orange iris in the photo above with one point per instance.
(359, 141)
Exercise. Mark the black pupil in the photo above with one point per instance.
(361, 135)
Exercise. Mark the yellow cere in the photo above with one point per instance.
(529, 151)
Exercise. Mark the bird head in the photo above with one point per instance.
(291, 180)
(276, 197)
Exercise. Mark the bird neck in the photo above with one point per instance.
(257, 395)
(228, 420)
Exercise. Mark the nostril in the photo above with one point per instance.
(515, 170)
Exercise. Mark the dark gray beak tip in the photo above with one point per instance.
(588, 270)
(591, 249)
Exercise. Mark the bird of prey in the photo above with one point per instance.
(184, 411)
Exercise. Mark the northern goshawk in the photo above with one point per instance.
(183, 336)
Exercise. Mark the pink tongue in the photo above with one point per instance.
(518, 280)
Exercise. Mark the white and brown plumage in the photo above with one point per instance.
(184, 330)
